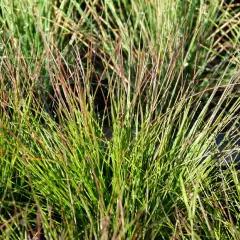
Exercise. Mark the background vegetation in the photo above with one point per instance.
(119, 119)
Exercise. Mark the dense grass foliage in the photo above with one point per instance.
(119, 119)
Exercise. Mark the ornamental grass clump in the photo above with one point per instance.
(119, 120)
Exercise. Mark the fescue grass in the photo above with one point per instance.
(144, 164)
